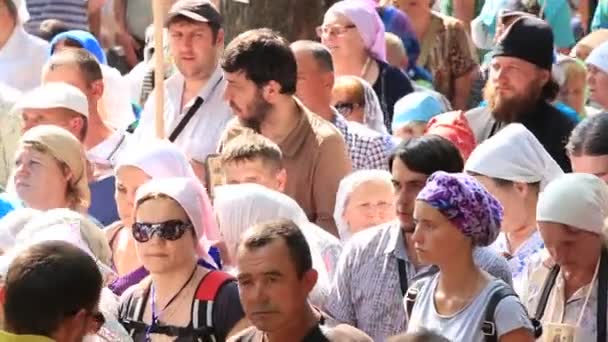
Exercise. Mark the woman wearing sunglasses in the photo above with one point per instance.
(177, 302)
(354, 34)
(157, 159)
(356, 100)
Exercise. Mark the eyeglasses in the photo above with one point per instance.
(333, 30)
(169, 230)
(345, 108)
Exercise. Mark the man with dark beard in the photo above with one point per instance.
(520, 89)
(261, 72)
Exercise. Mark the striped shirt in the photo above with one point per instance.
(74, 13)
(366, 290)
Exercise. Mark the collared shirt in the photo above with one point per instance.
(107, 153)
(10, 132)
(22, 59)
(8, 337)
(368, 149)
(559, 309)
(201, 135)
(316, 160)
(523, 256)
(366, 290)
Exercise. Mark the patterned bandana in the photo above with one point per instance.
(466, 203)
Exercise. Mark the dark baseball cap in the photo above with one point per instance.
(198, 10)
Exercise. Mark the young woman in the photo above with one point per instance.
(50, 171)
(453, 214)
(180, 300)
(365, 199)
(354, 34)
(515, 168)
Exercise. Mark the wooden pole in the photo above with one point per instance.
(159, 68)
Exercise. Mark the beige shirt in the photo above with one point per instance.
(559, 309)
(316, 159)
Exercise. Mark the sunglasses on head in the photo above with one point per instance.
(345, 108)
(169, 230)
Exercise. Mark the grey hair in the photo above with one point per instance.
(318, 51)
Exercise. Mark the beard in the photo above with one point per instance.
(513, 108)
(257, 110)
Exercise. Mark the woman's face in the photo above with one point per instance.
(341, 37)
(436, 239)
(343, 99)
(598, 85)
(573, 94)
(370, 204)
(413, 7)
(128, 180)
(41, 181)
(514, 200)
(159, 255)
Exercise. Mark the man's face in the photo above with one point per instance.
(52, 116)
(194, 48)
(254, 171)
(595, 165)
(246, 99)
(314, 85)
(271, 292)
(407, 185)
(513, 88)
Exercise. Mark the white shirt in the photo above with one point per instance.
(201, 135)
(22, 59)
(106, 154)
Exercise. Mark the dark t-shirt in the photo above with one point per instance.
(392, 84)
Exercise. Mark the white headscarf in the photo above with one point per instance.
(241, 206)
(373, 115)
(192, 197)
(347, 186)
(577, 200)
(157, 158)
(514, 154)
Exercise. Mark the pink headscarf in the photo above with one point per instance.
(363, 14)
(192, 197)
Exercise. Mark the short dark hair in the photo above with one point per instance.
(428, 154)
(12, 9)
(318, 51)
(264, 56)
(589, 137)
(215, 27)
(46, 283)
(83, 59)
(263, 234)
(250, 147)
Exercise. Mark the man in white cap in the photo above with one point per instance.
(21, 54)
(597, 76)
(569, 288)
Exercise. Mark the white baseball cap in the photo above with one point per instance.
(55, 95)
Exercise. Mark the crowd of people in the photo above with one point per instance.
(423, 171)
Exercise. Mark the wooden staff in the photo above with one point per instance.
(159, 67)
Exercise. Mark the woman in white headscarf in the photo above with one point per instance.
(356, 100)
(515, 168)
(241, 206)
(570, 214)
(365, 199)
(151, 160)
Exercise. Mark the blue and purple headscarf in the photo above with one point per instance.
(465, 203)
(398, 23)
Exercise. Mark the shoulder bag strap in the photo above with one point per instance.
(402, 276)
(546, 291)
(184, 121)
(602, 297)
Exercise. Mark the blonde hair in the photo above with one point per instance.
(353, 88)
(394, 46)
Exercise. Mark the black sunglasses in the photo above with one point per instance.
(345, 108)
(169, 230)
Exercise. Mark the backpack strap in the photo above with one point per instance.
(546, 291)
(411, 294)
(131, 315)
(602, 296)
(488, 326)
(202, 307)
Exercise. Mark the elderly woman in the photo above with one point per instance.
(72, 227)
(241, 206)
(181, 300)
(568, 286)
(158, 159)
(571, 75)
(515, 168)
(588, 146)
(354, 34)
(453, 214)
(597, 76)
(355, 99)
(365, 199)
(446, 50)
(50, 171)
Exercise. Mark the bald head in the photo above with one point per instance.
(318, 52)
